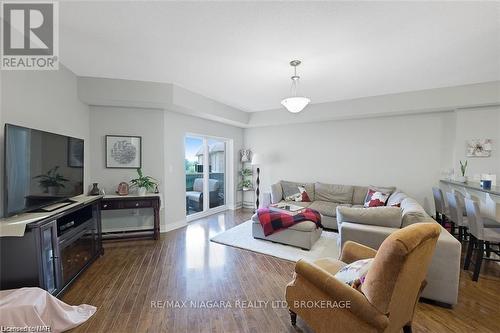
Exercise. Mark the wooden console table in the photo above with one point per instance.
(115, 202)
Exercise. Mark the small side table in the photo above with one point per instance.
(116, 202)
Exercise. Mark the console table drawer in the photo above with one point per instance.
(137, 204)
(105, 205)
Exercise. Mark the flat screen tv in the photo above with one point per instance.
(41, 169)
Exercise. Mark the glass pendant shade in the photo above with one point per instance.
(295, 104)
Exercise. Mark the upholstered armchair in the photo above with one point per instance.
(384, 302)
(194, 198)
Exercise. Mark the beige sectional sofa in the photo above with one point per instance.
(325, 198)
(372, 226)
(341, 207)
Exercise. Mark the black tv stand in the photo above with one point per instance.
(54, 250)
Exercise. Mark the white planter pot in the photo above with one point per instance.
(141, 191)
(52, 190)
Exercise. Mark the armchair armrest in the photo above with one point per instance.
(340, 291)
(352, 251)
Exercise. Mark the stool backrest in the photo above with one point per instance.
(457, 208)
(476, 225)
(453, 205)
(438, 200)
(460, 198)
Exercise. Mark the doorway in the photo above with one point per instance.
(206, 175)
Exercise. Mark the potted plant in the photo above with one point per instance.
(246, 172)
(463, 170)
(52, 181)
(246, 184)
(143, 183)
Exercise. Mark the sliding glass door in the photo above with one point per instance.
(193, 163)
(205, 166)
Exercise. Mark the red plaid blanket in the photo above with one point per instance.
(273, 221)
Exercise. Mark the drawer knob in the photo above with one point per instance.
(105, 206)
(137, 204)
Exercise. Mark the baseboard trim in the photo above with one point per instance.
(172, 226)
(239, 205)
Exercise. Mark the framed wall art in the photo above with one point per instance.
(478, 148)
(123, 151)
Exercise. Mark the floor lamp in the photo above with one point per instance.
(256, 162)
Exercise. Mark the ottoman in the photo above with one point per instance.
(303, 234)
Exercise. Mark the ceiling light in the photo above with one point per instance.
(295, 104)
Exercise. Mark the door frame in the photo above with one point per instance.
(228, 174)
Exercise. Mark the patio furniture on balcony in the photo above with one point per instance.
(194, 198)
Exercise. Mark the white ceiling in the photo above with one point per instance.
(238, 53)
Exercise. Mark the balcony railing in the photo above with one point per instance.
(190, 177)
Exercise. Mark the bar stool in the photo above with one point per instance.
(460, 200)
(479, 238)
(456, 211)
(439, 203)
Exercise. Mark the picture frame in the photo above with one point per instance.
(478, 148)
(75, 153)
(123, 152)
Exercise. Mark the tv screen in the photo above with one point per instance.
(41, 169)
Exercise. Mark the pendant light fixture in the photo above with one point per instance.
(295, 104)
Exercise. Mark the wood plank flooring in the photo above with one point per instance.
(131, 280)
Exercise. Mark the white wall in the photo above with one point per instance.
(45, 100)
(163, 135)
(478, 124)
(146, 123)
(406, 151)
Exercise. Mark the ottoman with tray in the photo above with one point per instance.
(303, 234)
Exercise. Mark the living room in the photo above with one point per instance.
(397, 98)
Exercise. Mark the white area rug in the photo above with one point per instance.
(241, 237)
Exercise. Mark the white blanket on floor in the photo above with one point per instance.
(32, 307)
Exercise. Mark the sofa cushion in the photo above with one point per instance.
(333, 193)
(380, 216)
(276, 193)
(359, 195)
(413, 212)
(304, 204)
(291, 188)
(383, 189)
(396, 198)
(325, 207)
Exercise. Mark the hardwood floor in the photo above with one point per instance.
(128, 283)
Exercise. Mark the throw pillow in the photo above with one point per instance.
(354, 273)
(300, 196)
(375, 198)
(303, 194)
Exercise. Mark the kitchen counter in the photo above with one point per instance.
(495, 190)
